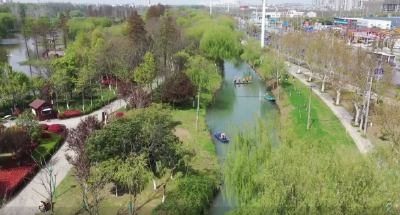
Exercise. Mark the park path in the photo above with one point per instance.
(26, 202)
(364, 145)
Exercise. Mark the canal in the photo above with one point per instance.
(235, 106)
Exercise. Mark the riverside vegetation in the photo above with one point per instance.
(153, 158)
(312, 171)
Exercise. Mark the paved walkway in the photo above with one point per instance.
(364, 145)
(26, 202)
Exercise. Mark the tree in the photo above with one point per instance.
(13, 139)
(77, 144)
(274, 67)
(155, 11)
(14, 85)
(147, 71)
(134, 175)
(64, 28)
(33, 127)
(136, 31)
(390, 123)
(218, 43)
(26, 31)
(147, 131)
(303, 178)
(199, 74)
(166, 39)
(178, 89)
(314, 51)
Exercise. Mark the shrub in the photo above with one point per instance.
(46, 148)
(55, 128)
(45, 135)
(45, 126)
(119, 114)
(16, 112)
(69, 113)
(13, 175)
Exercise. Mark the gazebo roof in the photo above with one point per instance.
(37, 103)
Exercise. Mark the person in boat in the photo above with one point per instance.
(250, 78)
(223, 136)
(234, 81)
(239, 80)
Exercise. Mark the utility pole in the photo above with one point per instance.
(198, 110)
(368, 102)
(263, 24)
(210, 8)
(309, 110)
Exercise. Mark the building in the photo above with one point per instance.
(368, 22)
(391, 6)
(147, 3)
(42, 109)
(311, 14)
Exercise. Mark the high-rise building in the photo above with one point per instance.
(147, 3)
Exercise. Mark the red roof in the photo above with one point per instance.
(37, 103)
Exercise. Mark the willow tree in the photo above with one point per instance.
(219, 43)
(300, 178)
(199, 74)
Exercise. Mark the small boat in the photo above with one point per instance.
(218, 135)
(269, 98)
(245, 82)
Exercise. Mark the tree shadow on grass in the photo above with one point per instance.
(67, 190)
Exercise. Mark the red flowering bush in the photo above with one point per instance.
(12, 176)
(45, 126)
(45, 135)
(55, 128)
(16, 112)
(69, 113)
(119, 114)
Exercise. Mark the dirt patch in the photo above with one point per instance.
(181, 133)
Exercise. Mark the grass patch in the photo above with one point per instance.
(46, 148)
(203, 171)
(326, 130)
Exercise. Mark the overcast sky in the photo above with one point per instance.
(171, 2)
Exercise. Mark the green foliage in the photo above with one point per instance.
(144, 130)
(7, 21)
(13, 85)
(273, 66)
(301, 179)
(147, 71)
(76, 13)
(28, 120)
(134, 174)
(4, 9)
(219, 43)
(192, 196)
(183, 22)
(226, 22)
(46, 148)
(252, 53)
(202, 74)
(86, 25)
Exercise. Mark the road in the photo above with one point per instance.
(364, 145)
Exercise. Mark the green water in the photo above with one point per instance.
(235, 106)
(13, 51)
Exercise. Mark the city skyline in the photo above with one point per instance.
(168, 2)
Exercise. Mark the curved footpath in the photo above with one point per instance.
(364, 145)
(26, 202)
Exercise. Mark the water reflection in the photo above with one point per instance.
(13, 51)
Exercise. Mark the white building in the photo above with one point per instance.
(147, 3)
(311, 14)
(278, 14)
(370, 23)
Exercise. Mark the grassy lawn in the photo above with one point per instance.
(205, 160)
(46, 147)
(326, 130)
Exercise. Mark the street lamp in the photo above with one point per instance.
(52, 183)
